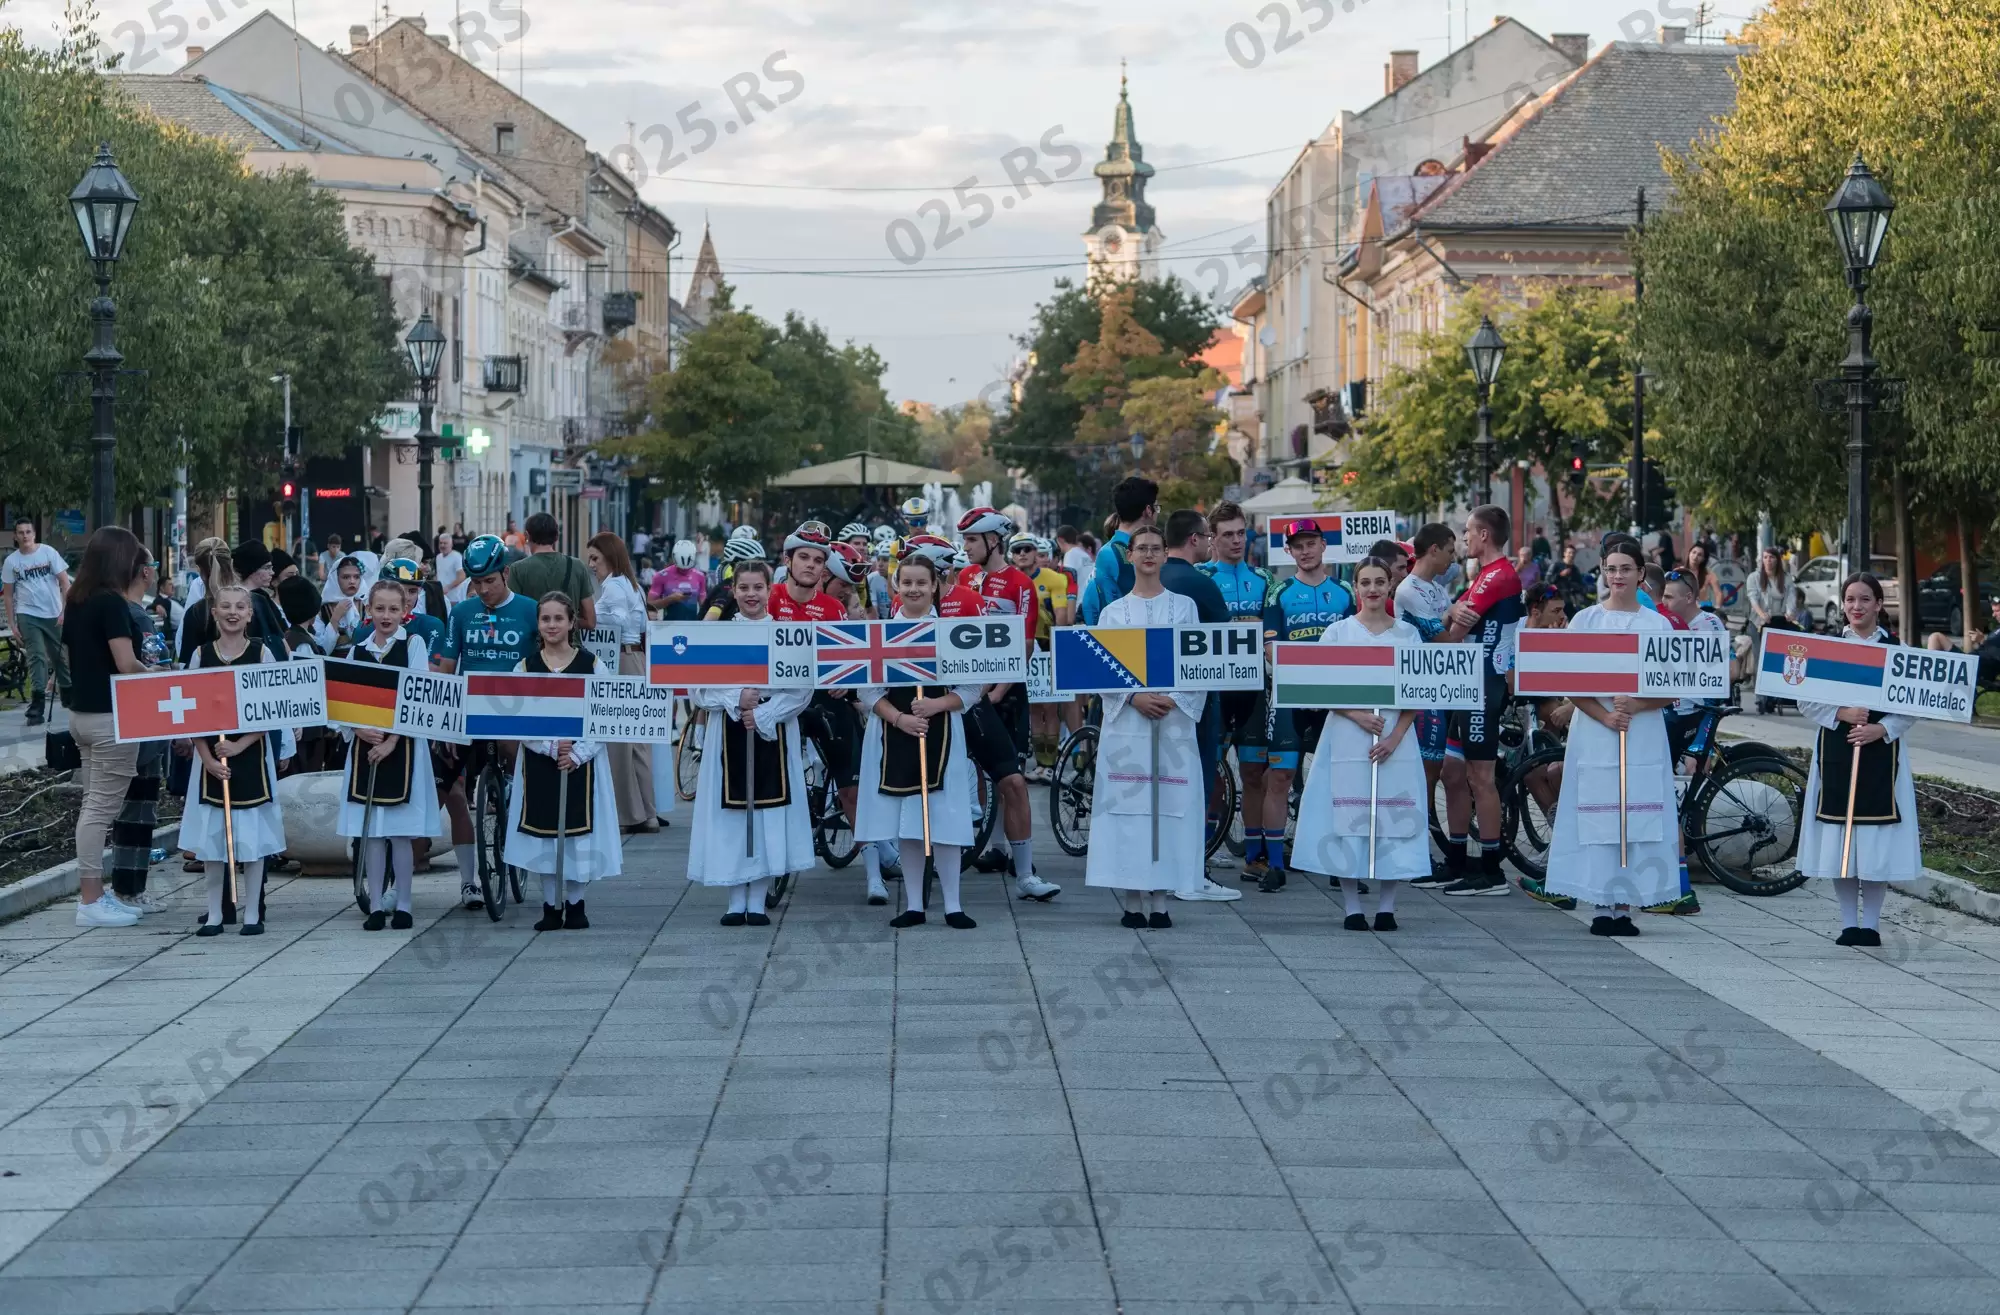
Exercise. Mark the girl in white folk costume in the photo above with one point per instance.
(1886, 847)
(244, 762)
(784, 841)
(891, 802)
(1583, 854)
(1333, 826)
(1122, 823)
(538, 820)
(405, 795)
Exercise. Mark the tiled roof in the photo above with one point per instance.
(189, 102)
(1581, 153)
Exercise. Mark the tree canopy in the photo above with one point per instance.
(228, 277)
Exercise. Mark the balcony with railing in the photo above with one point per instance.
(503, 374)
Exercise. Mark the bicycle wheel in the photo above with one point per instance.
(1743, 825)
(1528, 809)
(1224, 815)
(780, 887)
(833, 834)
(360, 881)
(1070, 787)
(687, 758)
(986, 796)
(489, 829)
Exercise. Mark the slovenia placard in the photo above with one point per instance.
(682, 654)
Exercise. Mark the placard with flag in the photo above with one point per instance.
(265, 696)
(1859, 673)
(1652, 664)
(1434, 677)
(361, 694)
(1121, 660)
(763, 653)
(877, 653)
(1348, 534)
(520, 705)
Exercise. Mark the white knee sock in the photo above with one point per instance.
(468, 864)
(1024, 856)
(1848, 891)
(913, 875)
(377, 862)
(1385, 896)
(403, 854)
(947, 866)
(218, 879)
(550, 896)
(573, 891)
(755, 896)
(871, 860)
(1872, 893)
(250, 878)
(739, 899)
(1350, 892)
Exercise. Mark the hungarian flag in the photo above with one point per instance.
(1334, 675)
(1571, 662)
(168, 705)
(361, 694)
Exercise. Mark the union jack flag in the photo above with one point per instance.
(866, 653)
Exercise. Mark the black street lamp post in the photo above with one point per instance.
(426, 348)
(1860, 213)
(103, 204)
(1484, 351)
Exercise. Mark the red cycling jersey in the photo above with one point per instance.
(1008, 592)
(960, 601)
(822, 606)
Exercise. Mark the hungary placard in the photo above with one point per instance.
(1434, 677)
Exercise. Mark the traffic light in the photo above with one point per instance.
(289, 490)
(1578, 467)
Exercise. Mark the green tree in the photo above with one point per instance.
(1565, 380)
(228, 278)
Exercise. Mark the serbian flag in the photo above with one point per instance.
(167, 705)
(518, 705)
(1822, 669)
(1553, 662)
(1333, 675)
(361, 694)
(688, 653)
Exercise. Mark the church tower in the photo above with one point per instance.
(1123, 242)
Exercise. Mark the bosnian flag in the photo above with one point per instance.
(520, 705)
(1822, 669)
(687, 653)
(168, 705)
(1333, 675)
(1551, 662)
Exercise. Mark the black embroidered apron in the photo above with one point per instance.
(543, 780)
(899, 751)
(394, 773)
(772, 787)
(1875, 793)
(249, 785)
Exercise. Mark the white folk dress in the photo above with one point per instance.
(260, 831)
(418, 815)
(784, 835)
(1881, 853)
(1121, 815)
(1583, 854)
(1332, 834)
(593, 856)
(880, 816)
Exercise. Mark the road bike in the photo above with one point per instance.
(1073, 779)
(687, 750)
(497, 877)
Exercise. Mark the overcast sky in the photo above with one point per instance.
(899, 100)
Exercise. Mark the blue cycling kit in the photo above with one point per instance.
(1245, 588)
(1296, 610)
(483, 639)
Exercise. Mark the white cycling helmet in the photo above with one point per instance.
(985, 520)
(743, 532)
(852, 530)
(684, 553)
(741, 548)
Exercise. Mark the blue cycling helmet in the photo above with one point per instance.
(485, 555)
(403, 571)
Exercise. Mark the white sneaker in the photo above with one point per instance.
(877, 892)
(146, 902)
(1208, 890)
(104, 912)
(1033, 887)
(113, 898)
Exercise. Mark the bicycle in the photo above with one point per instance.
(833, 834)
(1073, 779)
(687, 752)
(497, 877)
(13, 669)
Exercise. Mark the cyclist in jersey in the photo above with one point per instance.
(881, 585)
(1298, 609)
(720, 605)
(846, 574)
(996, 729)
(1032, 556)
(1421, 599)
(1245, 587)
(1489, 612)
(492, 630)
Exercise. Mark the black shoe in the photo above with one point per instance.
(1848, 936)
(375, 921)
(35, 716)
(892, 872)
(1356, 922)
(757, 919)
(1868, 938)
(1160, 921)
(251, 929)
(1622, 925)
(1481, 884)
(907, 918)
(770, 899)
(1385, 922)
(959, 920)
(1601, 926)
(206, 930)
(1133, 920)
(993, 860)
(728, 919)
(1435, 880)
(551, 919)
(573, 919)
(1272, 882)
(401, 920)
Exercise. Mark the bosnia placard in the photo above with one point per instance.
(1090, 660)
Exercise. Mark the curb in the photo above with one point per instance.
(59, 882)
(1954, 893)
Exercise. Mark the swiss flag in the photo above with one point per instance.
(167, 705)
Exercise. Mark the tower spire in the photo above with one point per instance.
(1122, 235)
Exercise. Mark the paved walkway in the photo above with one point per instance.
(1488, 1110)
(1970, 754)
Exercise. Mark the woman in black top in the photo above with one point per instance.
(102, 642)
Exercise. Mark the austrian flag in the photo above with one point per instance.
(1573, 662)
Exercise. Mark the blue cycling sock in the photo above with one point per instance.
(1687, 887)
(1253, 845)
(1274, 845)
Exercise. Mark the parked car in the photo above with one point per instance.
(1941, 603)
(1821, 577)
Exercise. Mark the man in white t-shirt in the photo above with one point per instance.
(450, 567)
(34, 580)
(1076, 559)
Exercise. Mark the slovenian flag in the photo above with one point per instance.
(1573, 662)
(1821, 669)
(361, 694)
(519, 705)
(692, 653)
(1334, 675)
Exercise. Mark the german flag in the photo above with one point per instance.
(361, 694)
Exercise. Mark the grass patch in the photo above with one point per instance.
(38, 821)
